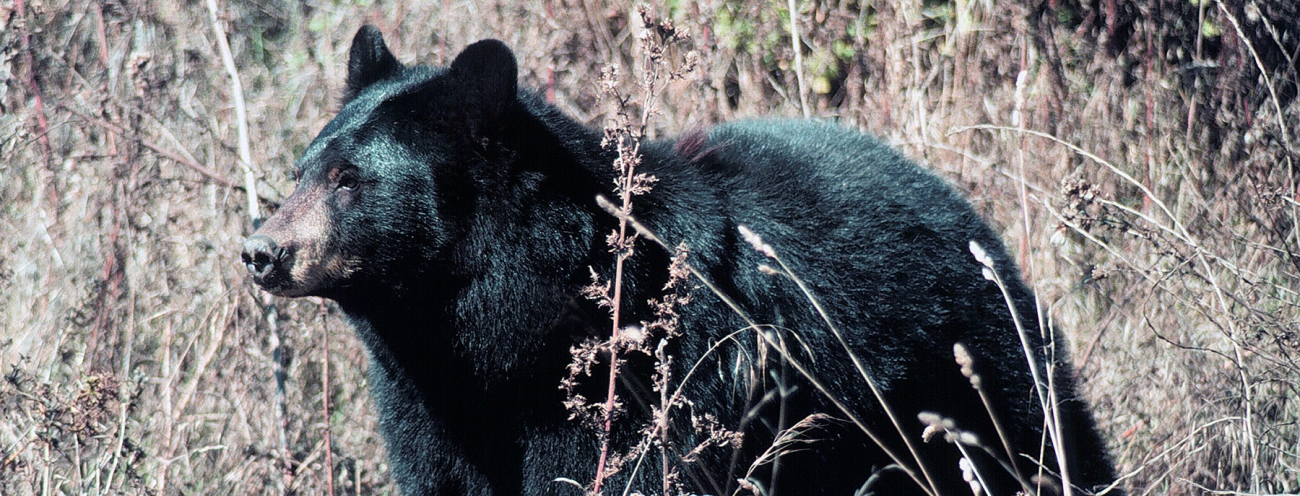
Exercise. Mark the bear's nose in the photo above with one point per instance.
(262, 257)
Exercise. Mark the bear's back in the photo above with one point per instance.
(858, 216)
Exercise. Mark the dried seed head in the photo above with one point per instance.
(1017, 115)
(1058, 236)
(963, 359)
(980, 255)
(756, 241)
(929, 432)
(929, 418)
(632, 335)
(968, 438)
(968, 475)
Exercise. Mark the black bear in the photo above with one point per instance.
(453, 219)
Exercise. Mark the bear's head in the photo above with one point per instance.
(388, 186)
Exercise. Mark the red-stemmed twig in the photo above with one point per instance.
(102, 37)
(325, 386)
(625, 135)
(38, 103)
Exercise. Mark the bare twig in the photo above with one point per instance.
(325, 387)
(1294, 214)
(241, 114)
(254, 213)
(797, 45)
(38, 103)
(1018, 118)
(1205, 258)
(1178, 226)
(182, 157)
(1263, 71)
(102, 38)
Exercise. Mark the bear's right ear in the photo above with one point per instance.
(488, 75)
(369, 61)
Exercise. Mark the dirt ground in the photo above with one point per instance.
(1138, 155)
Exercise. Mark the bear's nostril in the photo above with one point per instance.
(261, 256)
(261, 263)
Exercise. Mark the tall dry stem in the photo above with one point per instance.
(624, 135)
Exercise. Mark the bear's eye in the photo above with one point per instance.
(348, 182)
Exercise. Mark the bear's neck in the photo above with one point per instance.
(483, 349)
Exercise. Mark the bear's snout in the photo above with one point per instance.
(265, 260)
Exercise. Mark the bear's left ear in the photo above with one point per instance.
(369, 61)
(488, 78)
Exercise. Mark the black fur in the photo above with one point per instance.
(472, 225)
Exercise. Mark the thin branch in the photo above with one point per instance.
(325, 374)
(1075, 148)
(38, 103)
(241, 114)
(1263, 71)
(254, 214)
(182, 157)
(1277, 105)
(102, 38)
(1202, 254)
(795, 44)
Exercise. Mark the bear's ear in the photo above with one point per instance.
(369, 61)
(488, 76)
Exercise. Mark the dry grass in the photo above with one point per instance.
(1144, 170)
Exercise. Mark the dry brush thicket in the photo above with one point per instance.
(1139, 155)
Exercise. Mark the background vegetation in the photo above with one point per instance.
(1139, 155)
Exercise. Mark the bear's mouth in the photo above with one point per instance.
(276, 286)
(275, 281)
